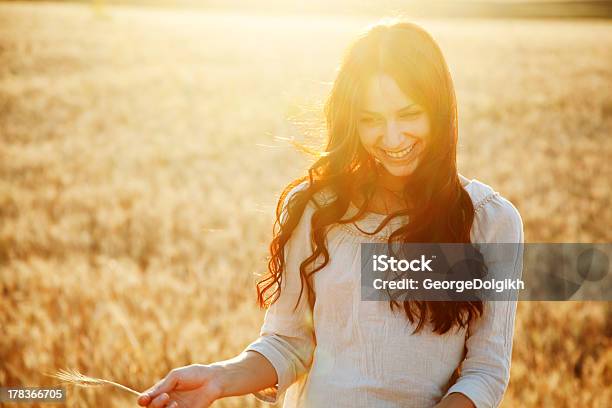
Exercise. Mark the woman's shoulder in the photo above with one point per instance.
(496, 219)
(319, 199)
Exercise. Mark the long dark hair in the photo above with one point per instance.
(443, 212)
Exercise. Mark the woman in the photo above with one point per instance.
(388, 173)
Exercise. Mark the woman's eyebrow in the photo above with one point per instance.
(405, 108)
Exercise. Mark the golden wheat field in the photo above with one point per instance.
(142, 152)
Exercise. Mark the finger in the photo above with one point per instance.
(165, 385)
(145, 397)
(160, 401)
(143, 400)
(173, 404)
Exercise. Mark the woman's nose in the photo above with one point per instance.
(393, 138)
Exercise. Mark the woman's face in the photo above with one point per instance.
(392, 127)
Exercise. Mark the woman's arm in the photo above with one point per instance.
(246, 373)
(198, 385)
(266, 367)
(286, 338)
(485, 371)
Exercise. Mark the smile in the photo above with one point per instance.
(401, 154)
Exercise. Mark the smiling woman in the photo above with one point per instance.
(395, 136)
(389, 165)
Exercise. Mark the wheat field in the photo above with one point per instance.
(142, 152)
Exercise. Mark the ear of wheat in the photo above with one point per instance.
(75, 378)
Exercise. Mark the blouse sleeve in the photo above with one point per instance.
(485, 371)
(286, 337)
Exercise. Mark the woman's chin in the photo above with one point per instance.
(400, 170)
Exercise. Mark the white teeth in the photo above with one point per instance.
(400, 154)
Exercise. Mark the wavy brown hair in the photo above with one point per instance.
(443, 212)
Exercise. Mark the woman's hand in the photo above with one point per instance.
(193, 386)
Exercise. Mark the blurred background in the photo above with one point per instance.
(143, 145)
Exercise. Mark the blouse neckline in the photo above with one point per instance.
(368, 215)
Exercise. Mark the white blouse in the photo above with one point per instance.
(353, 353)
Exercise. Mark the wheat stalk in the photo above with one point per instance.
(74, 377)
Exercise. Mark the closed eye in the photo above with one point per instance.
(406, 115)
(368, 120)
(410, 114)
